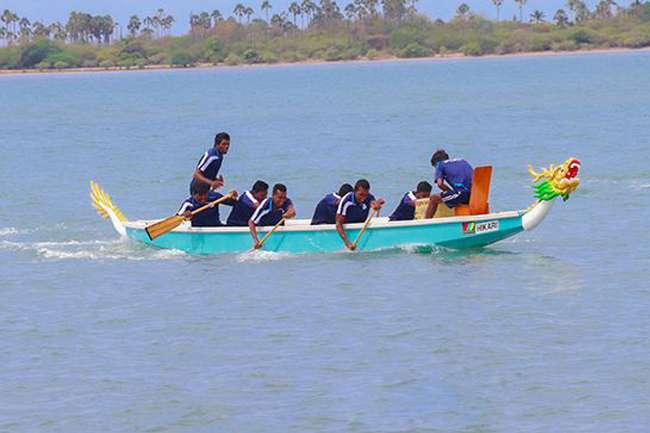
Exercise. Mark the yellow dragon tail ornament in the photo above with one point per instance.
(102, 202)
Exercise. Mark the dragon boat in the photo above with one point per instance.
(467, 226)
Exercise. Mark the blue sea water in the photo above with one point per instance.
(547, 331)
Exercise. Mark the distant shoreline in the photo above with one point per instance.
(315, 62)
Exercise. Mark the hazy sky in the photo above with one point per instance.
(58, 10)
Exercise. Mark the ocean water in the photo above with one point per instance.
(547, 331)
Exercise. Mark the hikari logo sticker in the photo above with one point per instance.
(472, 228)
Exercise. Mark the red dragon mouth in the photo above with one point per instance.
(572, 171)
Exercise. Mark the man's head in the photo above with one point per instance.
(344, 189)
(279, 194)
(200, 191)
(260, 190)
(222, 142)
(423, 190)
(361, 190)
(438, 156)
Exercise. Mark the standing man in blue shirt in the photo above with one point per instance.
(247, 203)
(406, 208)
(454, 178)
(201, 194)
(207, 170)
(354, 208)
(271, 211)
(325, 212)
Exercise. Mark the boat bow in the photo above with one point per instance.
(551, 183)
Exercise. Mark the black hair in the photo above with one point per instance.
(199, 187)
(279, 187)
(439, 155)
(362, 183)
(220, 137)
(344, 189)
(424, 186)
(260, 185)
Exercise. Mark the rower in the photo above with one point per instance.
(247, 203)
(271, 211)
(454, 178)
(406, 208)
(207, 170)
(201, 195)
(325, 212)
(354, 208)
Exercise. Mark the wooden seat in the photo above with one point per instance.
(478, 196)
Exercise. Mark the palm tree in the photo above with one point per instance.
(498, 4)
(561, 18)
(216, 17)
(462, 11)
(25, 29)
(603, 9)
(573, 5)
(582, 12)
(309, 8)
(294, 9)
(393, 9)
(266, 7)
(148, 22)
(58, 31)
(350, 11)
(240, 11)
(3, 34)
(167, 23)
(248, 12)
(40, 31)
(10, 19)
(134, 25)
(412, 9)
(371, 6)
(537, 16)
(521, 4)
(205, 22)
(278, 20)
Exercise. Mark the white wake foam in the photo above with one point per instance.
(261, 256)
(9, 231)
(91, 250)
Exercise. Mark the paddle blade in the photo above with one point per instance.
(161, 227)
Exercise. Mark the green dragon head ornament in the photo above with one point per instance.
(557, 181)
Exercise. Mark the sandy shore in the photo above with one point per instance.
(14, 72)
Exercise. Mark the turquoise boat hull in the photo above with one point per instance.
(300, 237)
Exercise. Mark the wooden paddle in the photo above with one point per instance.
(161, 227)
(365, 226)
(271, 232)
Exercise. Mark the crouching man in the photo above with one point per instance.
(354, 208)
(454, 178)
(271, 211)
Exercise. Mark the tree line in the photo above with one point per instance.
(315, 30)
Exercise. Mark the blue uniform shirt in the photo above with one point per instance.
(325, 212)
(457, 174)
(406, 208)
(243, 210)
(267, 215)
(210, 164)
(208, 217)
(352, 211)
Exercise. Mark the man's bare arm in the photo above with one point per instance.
(340, 219)
(253, 229)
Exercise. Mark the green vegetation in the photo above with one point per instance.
(370, 29)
